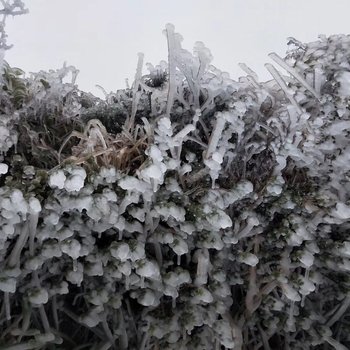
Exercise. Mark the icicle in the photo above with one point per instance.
(178, 260)
(75, 265)
(293, 72)
(142, 282)
(173, 302)
(120, 235)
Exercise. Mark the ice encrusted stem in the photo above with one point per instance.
(342, 309)
(170, 32)
(135, 94)
(20, 243)
(276, 75)
(123, 340)
(294, 73)
(7, 305)
(216, 135)
(107, 331)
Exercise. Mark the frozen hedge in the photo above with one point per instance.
(189, 211)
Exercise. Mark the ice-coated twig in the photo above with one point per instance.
(249, 71)
(342, 309)
(289, 94)
(216, 135)
(107, 330)
(136, 95)
(170, 32)
(20, 243)
(294, 73)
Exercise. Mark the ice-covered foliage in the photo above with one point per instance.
(189, 211)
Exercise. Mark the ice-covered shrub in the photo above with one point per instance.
(186, 211)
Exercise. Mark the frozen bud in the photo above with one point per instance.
(57, 179)
(34, 205)
(71, 247)
(74, 183)
(120, 251)
(342, 211)
(290, 292)
(38, 296)
(202, 295)
(7, 284)
(3, 168)
(147, 268)
(307, 259)
(249, 259)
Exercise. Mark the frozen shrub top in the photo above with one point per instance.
(187, 211)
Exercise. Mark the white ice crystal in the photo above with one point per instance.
(249, 259)
(120, 251)
(217, 217)
(75, 277)
(179, 246)
(177, 277)
(3, 168)
(57, 179)
(148, 298)
(33, 263)
(171, 210)
(8, 284)
(71, 247)
(91, 319)
(342, 211)
(307, 258)
(74, 183)
(131, 183)
(343, 78)
(38, 296)
(202, 295)
(290, 292)
(148, 268)
(307, 286)
(34, 205)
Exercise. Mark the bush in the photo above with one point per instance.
(188, 211)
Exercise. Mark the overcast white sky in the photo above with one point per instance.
(102, 37)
